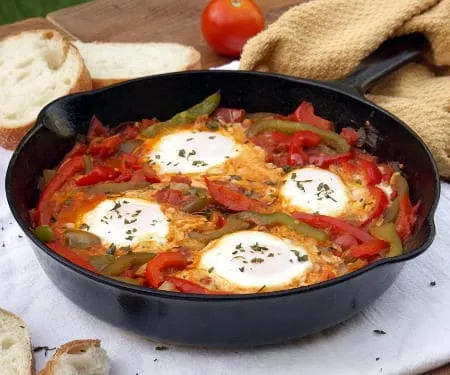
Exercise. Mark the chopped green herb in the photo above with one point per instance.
(84, 226)
(191, 153)
(241, 269)
(432, 283)
(257, 260)
(211, 269)
(197, 163)
(293, 176)
(300, 258)
(161, 347)
(324, 191)
(182, 153)
(212, 137)
(235, 177)
(379, 332)
(117, 205)
(111, 249)
(189, 139)
(261, 289)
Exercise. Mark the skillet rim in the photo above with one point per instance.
(143, 291)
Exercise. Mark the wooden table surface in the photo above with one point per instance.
(145, 20)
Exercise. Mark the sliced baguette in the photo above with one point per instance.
(110, 63)
(16, 356)
(36, 67)
(79, 357)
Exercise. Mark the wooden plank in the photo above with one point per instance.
(143, 21)
(29, 24)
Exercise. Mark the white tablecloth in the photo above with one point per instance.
(414, 315)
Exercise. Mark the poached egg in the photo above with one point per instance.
(126, 222)
(251, 260)
(191, 151)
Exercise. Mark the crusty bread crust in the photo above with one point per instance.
(22, 323)
(11, 137)
(72, 347)
(195, 63)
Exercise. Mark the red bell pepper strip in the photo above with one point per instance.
(229, 115)
(369, 249)
(186, 286)
(231, 199)
(77, 150)
(66, 170)
(71, 256)
(305, 113)
(96, 129)
(381, 203)
(154, 272)
(350, 135)
(345, 241)
(372, 175)
(406, 217)
(335, 225)
(296, 155)
(388, 171)
(98, 174)
(280, 139)
(324, 160)
(148, 174)
(181, 180)
(129, 161)
(104, 148)
(171, 196)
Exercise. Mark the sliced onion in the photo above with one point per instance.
(168, 287)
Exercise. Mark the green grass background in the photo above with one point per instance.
(15, 10)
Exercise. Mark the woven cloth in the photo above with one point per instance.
(327, 39)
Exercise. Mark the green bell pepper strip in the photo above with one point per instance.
(44, 233)
(197, 204)
(100, 262)
(204, 108)
(278, 218)
(401, 186)
(232, 225)
(330, 138)
(243, 220)
(388, 233)
(128, 280)
(80, 239)
(126, 261)
(117, 187)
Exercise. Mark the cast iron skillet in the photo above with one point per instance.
(234, 320)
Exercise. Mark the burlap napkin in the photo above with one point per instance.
(327, 39)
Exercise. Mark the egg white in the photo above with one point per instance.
(127, 221)
(315, 190)
(188, 151)
(253, 260)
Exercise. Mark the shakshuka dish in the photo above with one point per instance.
(220, 201)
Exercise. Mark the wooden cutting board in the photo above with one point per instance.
(143, 20)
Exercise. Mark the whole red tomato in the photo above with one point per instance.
(228, 24)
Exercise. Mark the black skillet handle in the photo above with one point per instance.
(390, 56)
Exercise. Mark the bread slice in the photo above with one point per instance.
(111, 63)
(36, 67)
(79, 357)
(16, 356)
